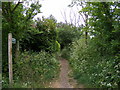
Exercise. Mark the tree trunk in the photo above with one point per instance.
(86, 34)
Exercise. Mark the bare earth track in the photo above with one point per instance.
(64, 81)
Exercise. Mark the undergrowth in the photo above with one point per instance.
(33, 70)
(93, 69)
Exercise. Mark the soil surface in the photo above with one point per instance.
(64, 81)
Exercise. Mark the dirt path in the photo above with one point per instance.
(63, 80)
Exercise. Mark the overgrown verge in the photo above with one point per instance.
(93, 69)
(34, 70)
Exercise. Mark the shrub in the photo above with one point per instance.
(92, 69)
(65, 53)
(67, 35)
(43, 37)
(35, 68)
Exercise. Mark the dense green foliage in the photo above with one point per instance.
(30, 69)
(67, 34)
(97, 64)
(92, 69)
(93, 50)
(15, 22)
(42, 37)
(105, 25)
(34, 69)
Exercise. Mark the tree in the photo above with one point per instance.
(83, 14)
(103, 24)
(101, 57)
(14, 15)
(16, 18)
(73, 18)
(67, 34)
(43, 37)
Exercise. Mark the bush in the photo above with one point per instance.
(92, 69)
(35, 68)
(65, 53)
(66, 35)
(43, 37)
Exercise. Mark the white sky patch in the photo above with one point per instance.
(56, 7)
(53, 7)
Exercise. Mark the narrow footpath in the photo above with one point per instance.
(64, 81)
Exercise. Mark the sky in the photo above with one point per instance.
(57, 8)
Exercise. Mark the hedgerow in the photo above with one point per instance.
(34, 69)
(92, 69)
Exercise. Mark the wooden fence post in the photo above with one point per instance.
(10, 59)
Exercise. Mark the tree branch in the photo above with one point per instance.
(82, 17)
(30, 15)
(64, 16)
(16, 6)
(9, 4)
